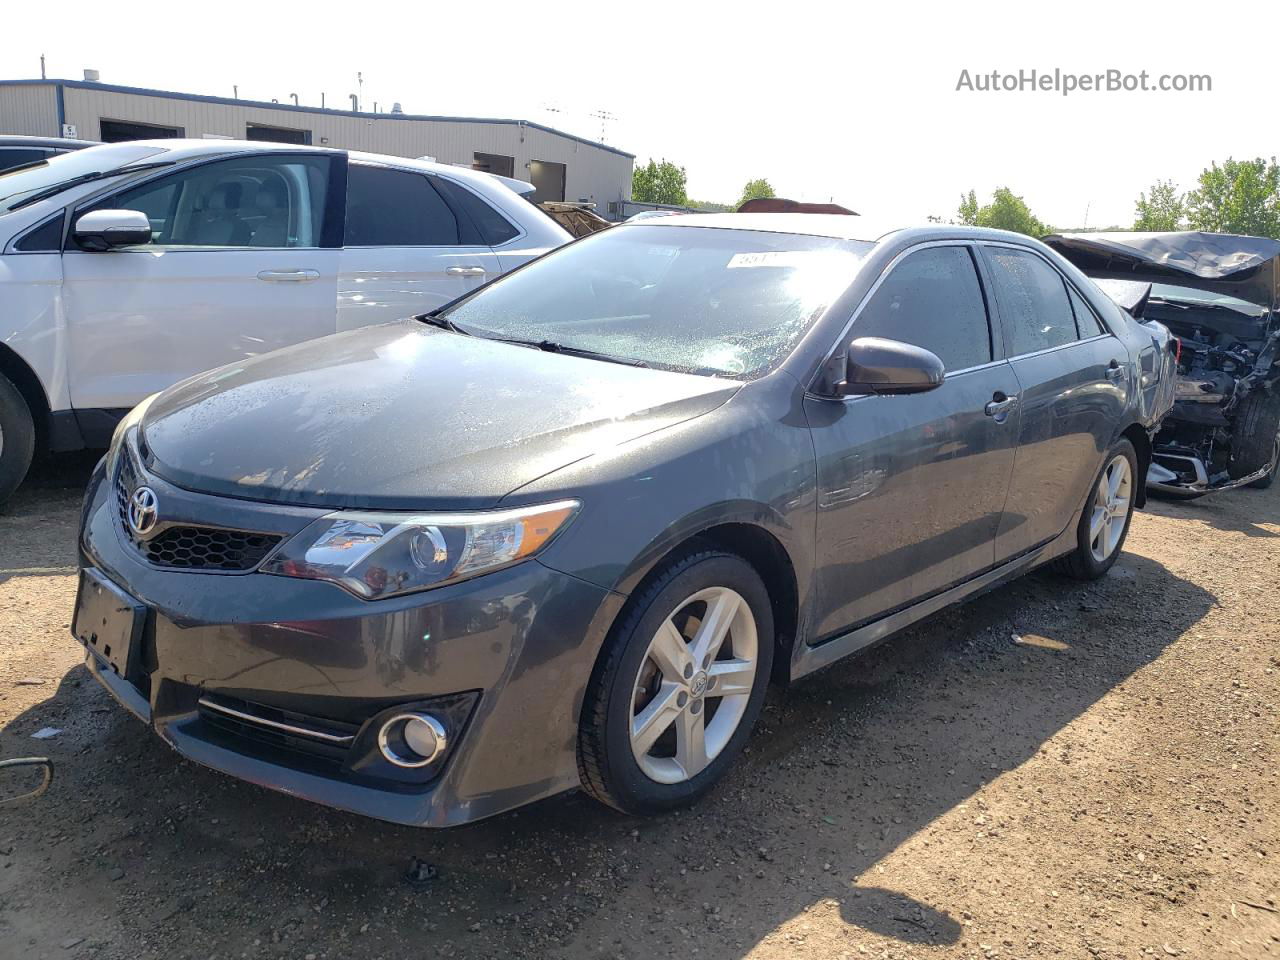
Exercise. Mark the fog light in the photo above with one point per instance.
(412, 739)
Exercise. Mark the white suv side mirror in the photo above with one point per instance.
(103, 229)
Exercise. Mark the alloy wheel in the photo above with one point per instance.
(1110, 508)
(693, 685)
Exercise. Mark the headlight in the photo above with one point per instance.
(127, 422)
(378, 555)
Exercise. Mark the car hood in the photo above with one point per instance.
(1237, 266)
(405, 416)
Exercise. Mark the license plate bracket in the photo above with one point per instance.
(109, 623)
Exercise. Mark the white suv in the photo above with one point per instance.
(127, 267)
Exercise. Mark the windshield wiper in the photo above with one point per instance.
(434, 318)
(550, 346)
(86, 178)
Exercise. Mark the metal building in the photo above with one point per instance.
(560, 165)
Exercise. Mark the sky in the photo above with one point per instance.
(827, 101)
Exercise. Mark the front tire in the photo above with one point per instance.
(1264, 482)
(679, 685)
(1253, 438)
(1104, 524)
(17, 438)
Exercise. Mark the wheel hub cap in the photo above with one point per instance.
(1111, 503)
(693, 685)
(698, 685)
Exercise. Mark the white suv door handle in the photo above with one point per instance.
(289, 275)
(466, 271)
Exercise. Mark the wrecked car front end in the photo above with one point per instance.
(1220, 296)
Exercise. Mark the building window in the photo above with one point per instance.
(113, 131)
(494, 163)
(260, 131)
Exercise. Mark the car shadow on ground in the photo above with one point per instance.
(1235, 511)
(844, 768)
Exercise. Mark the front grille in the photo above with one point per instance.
(207, 548)
(190, 547)
(324, 740)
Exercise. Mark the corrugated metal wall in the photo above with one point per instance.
(592, 173)
(29, 111)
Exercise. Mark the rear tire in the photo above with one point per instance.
(1253, 438)
(17, 438)
(655, 732)
(1104, 523)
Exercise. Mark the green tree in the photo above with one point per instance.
(755, 190)
(1241, 196)
(661, 182)
(1006, 211)
(1163, 210)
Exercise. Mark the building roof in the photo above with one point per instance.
(291, 108)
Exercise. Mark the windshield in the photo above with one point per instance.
(14, 184)
(1168, 291)
(694, 299)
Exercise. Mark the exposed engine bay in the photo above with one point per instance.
(1219, 295)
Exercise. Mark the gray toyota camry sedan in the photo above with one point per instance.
(565, 531)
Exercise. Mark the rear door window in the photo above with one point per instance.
(932, 299)
(396, 208)
(1034, 308)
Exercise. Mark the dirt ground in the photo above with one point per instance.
(1105, 786)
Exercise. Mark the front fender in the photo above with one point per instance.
(749, 461)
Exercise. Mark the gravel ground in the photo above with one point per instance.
(1053, 770)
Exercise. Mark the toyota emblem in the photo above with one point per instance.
(143, 511)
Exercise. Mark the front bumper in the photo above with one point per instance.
(509, 653)
(1187, 476)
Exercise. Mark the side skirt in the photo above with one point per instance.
(815, 658)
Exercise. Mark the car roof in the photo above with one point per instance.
(832, 225)
(835, 225)
(65, 143)
(179, 149)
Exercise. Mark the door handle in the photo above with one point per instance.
(469, 271)
(1115, 371)
(289, 275)
(999, 407)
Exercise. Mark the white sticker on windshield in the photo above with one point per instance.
(772, 258)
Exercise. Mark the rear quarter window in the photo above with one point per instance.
(479, 222)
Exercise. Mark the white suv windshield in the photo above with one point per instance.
(21, 181)
(696, 299)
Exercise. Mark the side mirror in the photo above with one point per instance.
(876, 365)
(103, 229)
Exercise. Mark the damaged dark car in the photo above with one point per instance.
(1220, 296)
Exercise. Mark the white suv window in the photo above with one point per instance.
(262, 201)
(396, 208)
